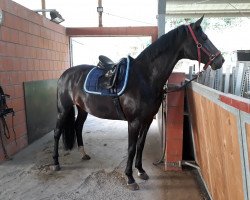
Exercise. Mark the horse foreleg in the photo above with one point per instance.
(139, 151)
(133, 131)
(81, 118)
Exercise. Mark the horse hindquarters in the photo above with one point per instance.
(68, 130)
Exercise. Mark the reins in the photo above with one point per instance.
(199, 48)
(4, 111)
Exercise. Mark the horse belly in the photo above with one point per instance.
(102, 107)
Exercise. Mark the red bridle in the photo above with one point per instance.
(200, 47)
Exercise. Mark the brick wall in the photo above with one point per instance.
(31, 48)
(174, 124)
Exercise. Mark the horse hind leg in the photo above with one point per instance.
(64, 126)
(57, 135)
(81, 118)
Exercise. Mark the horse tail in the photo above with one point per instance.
(68, 130)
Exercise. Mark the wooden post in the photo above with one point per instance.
(100, 12)
(43, 7)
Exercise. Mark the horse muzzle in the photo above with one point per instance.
(217, 62)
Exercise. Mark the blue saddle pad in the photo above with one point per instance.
(91, 85)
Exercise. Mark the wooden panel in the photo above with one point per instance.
(217, 147)
(248, 140)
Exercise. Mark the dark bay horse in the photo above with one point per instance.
(142, 97)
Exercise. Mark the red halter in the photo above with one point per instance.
(200, 47)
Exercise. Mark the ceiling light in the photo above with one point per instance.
(54, 15)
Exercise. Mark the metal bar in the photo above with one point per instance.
(227, 80)
(212, 78)
(239, 79)
(203, 77)
(233, 82)
(207, 77)
(218, 79)
(190, 72)
(44, 10)
(244, 118)
(207, 13)
(191, 164)
(247, 83)
(220, 76)
(243, 154)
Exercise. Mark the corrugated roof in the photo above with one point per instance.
(223, 8)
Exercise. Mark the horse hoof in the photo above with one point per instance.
(55, 167)
(86, 157)
(143, 176)
(133, 186)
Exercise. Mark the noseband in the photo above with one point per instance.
(200, 47)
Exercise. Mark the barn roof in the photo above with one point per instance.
(212, 8)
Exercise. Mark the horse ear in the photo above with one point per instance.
(198, 23)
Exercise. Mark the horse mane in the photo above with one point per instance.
(162, 44)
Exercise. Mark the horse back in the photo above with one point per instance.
(69, 83)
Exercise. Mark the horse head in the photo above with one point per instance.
(199, 47)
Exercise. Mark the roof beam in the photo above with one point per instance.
(207, 13)
(113, 31)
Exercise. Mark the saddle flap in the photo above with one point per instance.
(108, 80)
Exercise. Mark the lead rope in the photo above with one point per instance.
(163, 117)
(184, 85)
(165, 92)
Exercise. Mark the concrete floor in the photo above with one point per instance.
(28, 177)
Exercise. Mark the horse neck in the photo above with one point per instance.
(159, 59)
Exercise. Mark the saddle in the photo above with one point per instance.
(105, 63)
(111, 70)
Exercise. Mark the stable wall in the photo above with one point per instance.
(221, 132)
(31, 48)
(174, 123)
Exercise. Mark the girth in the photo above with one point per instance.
(108, 80)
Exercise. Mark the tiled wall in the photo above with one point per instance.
(31, 48)
(174, 123)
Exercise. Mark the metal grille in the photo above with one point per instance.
(237, 82)
(247, 81)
